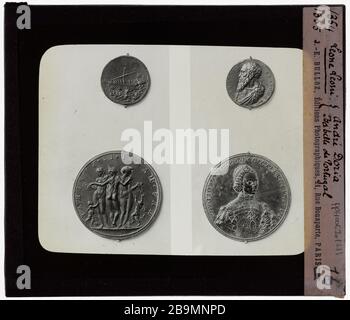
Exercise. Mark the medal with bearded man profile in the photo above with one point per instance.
(246, 197)
(250, 83)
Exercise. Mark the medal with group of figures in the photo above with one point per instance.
(246, 197)
(117, 195)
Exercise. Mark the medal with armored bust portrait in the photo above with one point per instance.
(246, 197)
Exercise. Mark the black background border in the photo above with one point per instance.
(61, 274)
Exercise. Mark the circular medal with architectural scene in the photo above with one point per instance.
(246, 197)
(250, 83)
(117, 195)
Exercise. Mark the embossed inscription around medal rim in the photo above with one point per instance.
(247, 158)
(150, 175)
